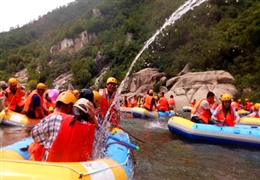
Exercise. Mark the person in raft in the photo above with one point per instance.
(60, 133)
(34, 105)
(201, 113)
(149, 101)
(47, 102)
(225, 114)
(14, 96)
(255, 112)
(108, 95)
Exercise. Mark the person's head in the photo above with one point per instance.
(41, 88)
(87, 94)
(12, 82)
(76, 93)
(171, 96)
(4, 86)
(194, 100)
(47, 95)
(226, 100)
(97, 99)
(239, 100)
(162, 94)
(65, 101)
(257, 106)
(111, 84)
(210, 97)
(80, 110)
(246, 100)
(150, 92)
(156, 98)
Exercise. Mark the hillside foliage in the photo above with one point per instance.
(217, 35)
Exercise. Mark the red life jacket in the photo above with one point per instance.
(148, 102)
(171, 101)
(164, 106)
(104, 105)
(74, 142)
(14, 100)
(230, 117)
(49, 104)
(204, 115)
(247, 106)
(28, 103)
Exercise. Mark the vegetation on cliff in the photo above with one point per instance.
(219, 34)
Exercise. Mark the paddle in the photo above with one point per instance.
(131, 134)
(125, 142)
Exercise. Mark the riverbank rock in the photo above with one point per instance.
(184, 88)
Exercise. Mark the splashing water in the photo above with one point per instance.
(188, 5)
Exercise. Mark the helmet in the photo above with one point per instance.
(97, 98)
(75, 92)
(41, 86)
(111, 80)
(246, 99)
(156, 98)
(239, 100)
(226, 97)
(66, 97)
(4, 85)
(82, 105)
(87, 94)
(257, 106)
(47, 92)
(12, 82)
(251, 103)
(150, 91)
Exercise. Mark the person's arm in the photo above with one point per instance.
(38, 132)
(236, 116)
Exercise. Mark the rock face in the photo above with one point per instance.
(72, 45)
(142, 81)
(185, 87)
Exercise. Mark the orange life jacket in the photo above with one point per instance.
(48, 105)
(214, 105)
(148, 102)
(37, 151)
(236, 105)
(192, 104)
(171, 101)
(164, 106)
(230, 117)
(28, 104)
(104, 105)
(14, 100)
(126, 103)
(2, 93)
(247, 106)
(204, 115)
(74, 142)
(134, 103)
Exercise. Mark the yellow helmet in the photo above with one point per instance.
(111, 80)
(226, 97)
(75, 92)
(156, 98)
(150, 91)
(257, 106)
(41, 86)
(12, 82)
(66, 97)
(47, 92)
(239, 100)
(246, 99)
(97, 98)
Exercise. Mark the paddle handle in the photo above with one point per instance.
(128, 143)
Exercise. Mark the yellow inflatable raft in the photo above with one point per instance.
(250, 121)
(242, 112)
(17, 119)
(117, 163)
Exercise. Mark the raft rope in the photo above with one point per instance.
(81, 174)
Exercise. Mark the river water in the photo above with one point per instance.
(168, 156)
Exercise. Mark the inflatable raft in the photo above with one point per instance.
(142, 113)
(12, 118)
(239, 135)
(250, 121)
(117, 163)
(242, 112)
(186, 108)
